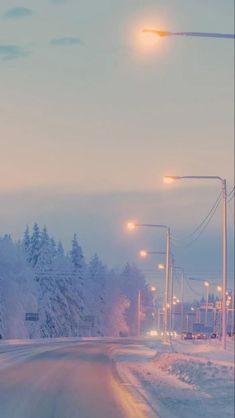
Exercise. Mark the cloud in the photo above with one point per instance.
(66, 41)
(10, 52)
(18, 13)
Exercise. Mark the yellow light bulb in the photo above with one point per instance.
(131, 226)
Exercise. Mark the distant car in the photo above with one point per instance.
(200, 336)
(213, 335)
(186, 336)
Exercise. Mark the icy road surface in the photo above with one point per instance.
(64, 379)
(116, 378)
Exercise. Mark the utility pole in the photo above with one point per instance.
(138, 312)
(182, 300)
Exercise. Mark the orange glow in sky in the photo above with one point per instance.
(148, 40)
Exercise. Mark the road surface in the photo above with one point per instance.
(64, 379)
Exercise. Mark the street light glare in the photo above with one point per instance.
(169, 179)
(161, 266)
(219, 289)
(153, 289)
(143, 253)
(131, 226)
(148, 40)
(207, 284)
(156, 32)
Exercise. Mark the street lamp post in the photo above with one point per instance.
(182, 280)
(170, 179)
(145, 253)
(182, 300)
(132, 226)
(207, 285)
(171, 290)
(138, 312)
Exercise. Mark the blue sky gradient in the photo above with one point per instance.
(85, 111)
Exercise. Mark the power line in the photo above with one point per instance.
(203, 224)
(231, 192)
(204, 227)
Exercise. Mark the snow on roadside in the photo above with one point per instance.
(209, 349)
(196, 382)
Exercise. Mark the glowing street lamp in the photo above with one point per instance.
(161, 266)
(207, 285)
(143, 253)
(223, 183)
(132, 226)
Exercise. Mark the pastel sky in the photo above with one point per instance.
(87, 114)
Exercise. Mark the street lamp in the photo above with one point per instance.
(143, 254)
(182, 294)
(207, 285)
(132, 226)
(170, 179)
(161, 266)
(164, 34)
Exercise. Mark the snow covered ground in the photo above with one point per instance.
(181, 379)
(178, 379)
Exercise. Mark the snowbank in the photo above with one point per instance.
(195, 382)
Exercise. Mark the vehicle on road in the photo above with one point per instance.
(185, 335)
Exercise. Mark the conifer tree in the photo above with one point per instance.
(35, 244)
(76, 254)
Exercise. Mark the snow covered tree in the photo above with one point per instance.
(76, 254)
(26, 240)
(77, 260)
(95, 291)
(133, 281)
(18, 292)
(45, 253)
(116, 307)
(53, 248)
(60, 250)
(35, 245)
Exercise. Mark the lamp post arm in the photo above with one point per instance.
(205, 35)
(197, 34)
(152, 226)
(197, 178)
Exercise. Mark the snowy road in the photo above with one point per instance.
(73, 379)
(116, 378)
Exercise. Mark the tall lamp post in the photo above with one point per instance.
(207, 285)
(131, 226)
(170, 179)
(182, 280)
(145, 253)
